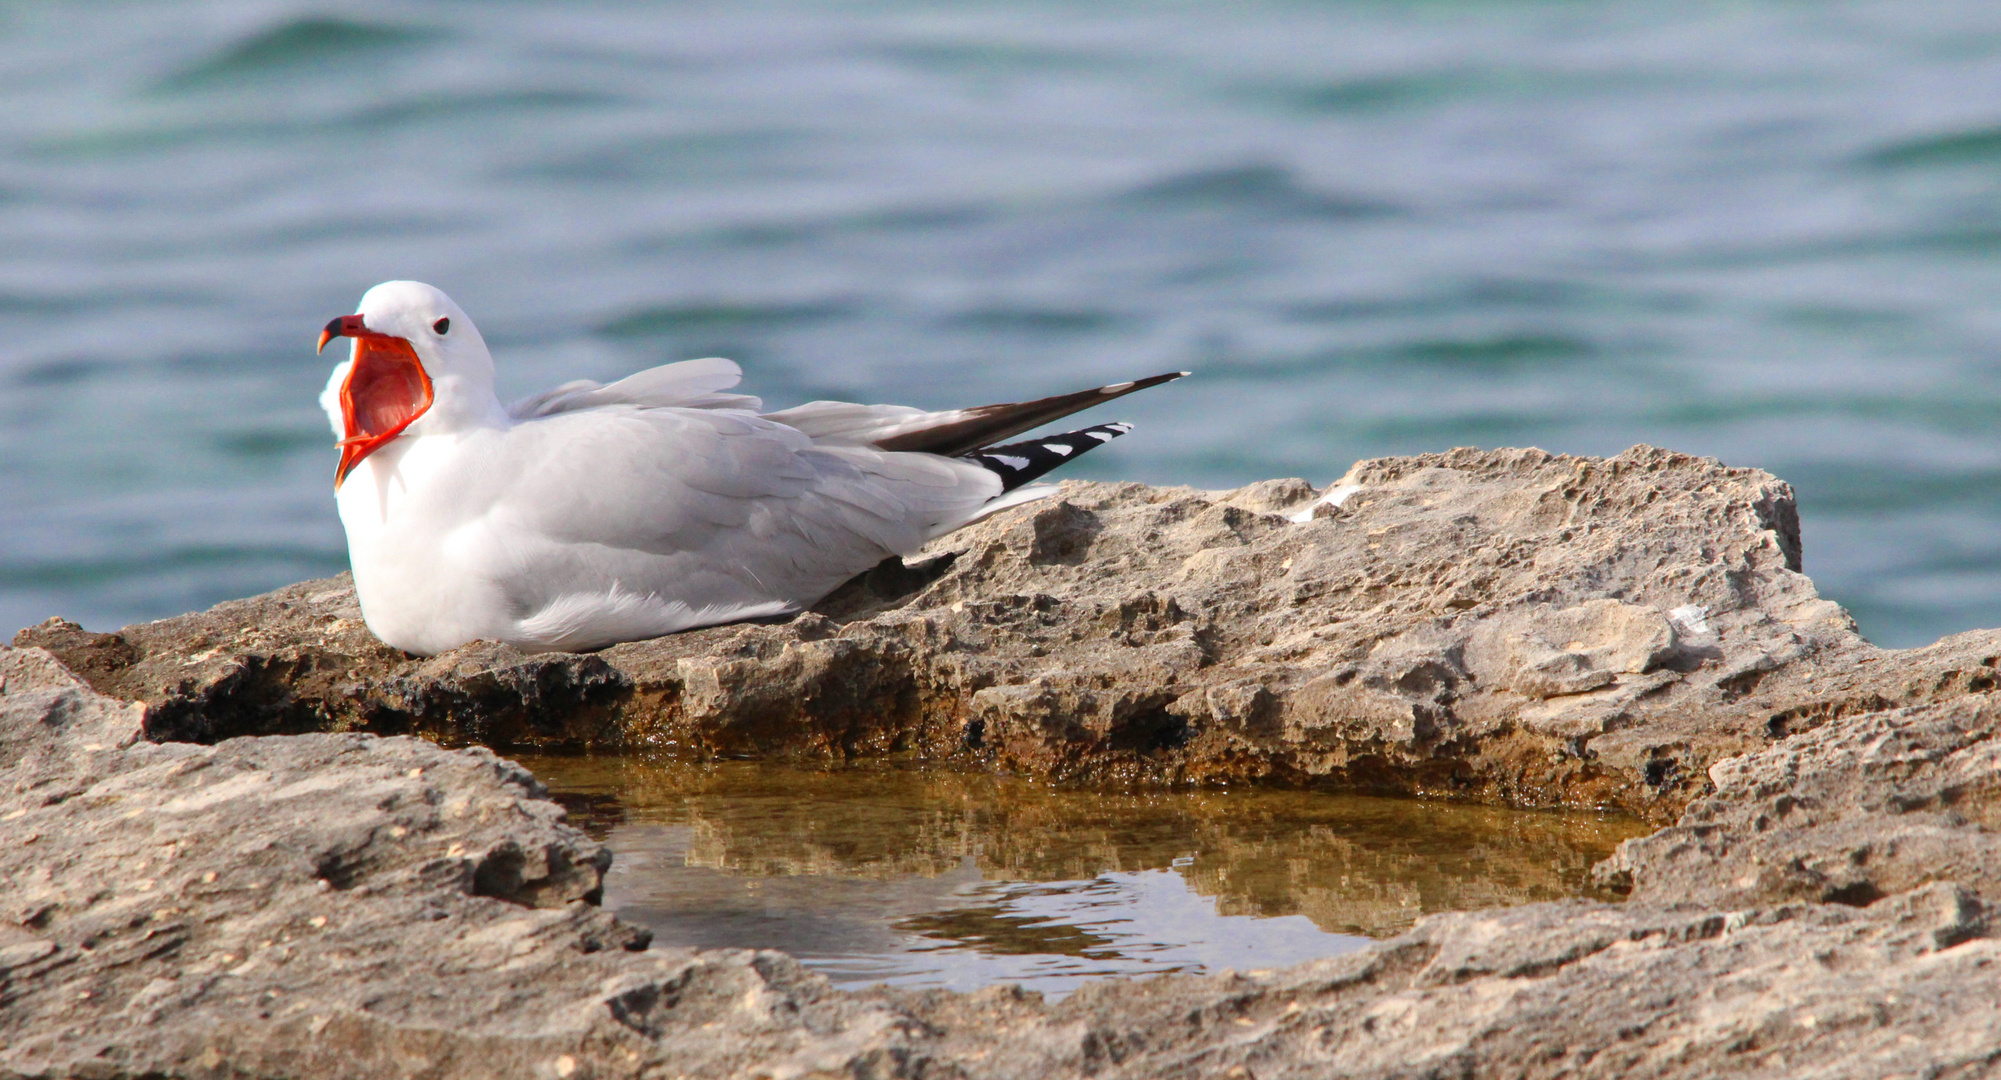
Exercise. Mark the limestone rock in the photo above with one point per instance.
(354, 906)
(1861, 808)
(1548, 990)
(1509, 625)
(333, 905)
(183, 900)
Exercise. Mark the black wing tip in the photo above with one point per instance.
(1018, 463)
(1121, 388)
(986, 425)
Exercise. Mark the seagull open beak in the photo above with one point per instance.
(345, 326)
(386, 389)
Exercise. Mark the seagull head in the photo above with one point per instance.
(417, 360)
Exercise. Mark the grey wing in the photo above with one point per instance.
(951, 432)
(844, 423)
(720, 511)
(690, 384)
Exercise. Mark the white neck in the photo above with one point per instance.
(461, 401)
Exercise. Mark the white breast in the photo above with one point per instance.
(407, 509)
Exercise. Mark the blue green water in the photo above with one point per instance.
(1766, 231)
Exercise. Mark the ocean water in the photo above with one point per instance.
(1764, 230)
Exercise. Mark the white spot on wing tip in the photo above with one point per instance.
(1115, 388)
(1059, 448)
(1009, 461)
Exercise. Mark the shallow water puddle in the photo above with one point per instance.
(883, 874)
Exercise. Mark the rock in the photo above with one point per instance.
(1570, 990)
(339, 905)
(1525, 627)
(353, 906)
(1507, 625)
(1861, 808)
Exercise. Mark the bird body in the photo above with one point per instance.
(588, 515)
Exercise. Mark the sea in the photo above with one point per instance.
(1767, 231)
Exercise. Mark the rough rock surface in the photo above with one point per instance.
(353, 906)
(1848, 813)
(1508, 625)
(341, 904)
(335, 905)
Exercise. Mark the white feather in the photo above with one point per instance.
(330, 399)
(693, 384)
(591, 514)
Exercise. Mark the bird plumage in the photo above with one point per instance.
(591, 514)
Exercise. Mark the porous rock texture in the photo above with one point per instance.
(353, 906)
(1508, 625)
(341, 904)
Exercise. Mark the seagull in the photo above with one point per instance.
(592, 514)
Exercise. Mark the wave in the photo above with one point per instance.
(1870, 488)
(233, 560)
(1263, 187)
(662, 320)
(208, 131)
(1381, 94)
(1972, 147)
(1024, 320)
(717, 156)
(290, 46)
(1375, 94)
(1498, 352)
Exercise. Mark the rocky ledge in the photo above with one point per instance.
(1508, 625)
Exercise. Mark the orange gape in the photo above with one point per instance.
(386, 389)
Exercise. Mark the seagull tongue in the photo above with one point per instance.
(386, 389)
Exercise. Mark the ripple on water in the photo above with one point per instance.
(1971, 147)
(294, 45)
(885, 874)
(1258, 187)
(703, 317)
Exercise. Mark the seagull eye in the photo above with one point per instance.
(442, 326)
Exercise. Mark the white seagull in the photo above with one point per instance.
(592, 514)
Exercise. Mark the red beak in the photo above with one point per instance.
(345, 326)
(386, 388)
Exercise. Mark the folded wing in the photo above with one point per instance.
(699, 384)
(728, 513)
(951, 432)
(690, 384)
(662, 501)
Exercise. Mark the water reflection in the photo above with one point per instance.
(919, 877)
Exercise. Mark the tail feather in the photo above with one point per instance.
(980, 427)
(1018, 463)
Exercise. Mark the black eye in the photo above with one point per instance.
(442, 326)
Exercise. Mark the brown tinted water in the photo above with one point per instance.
(884, 874)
